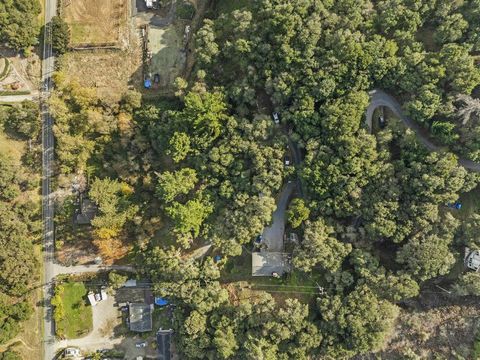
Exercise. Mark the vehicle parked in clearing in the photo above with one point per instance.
(276, 118)
(141, 344)
(71, 353)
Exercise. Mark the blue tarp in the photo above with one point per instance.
(217, 258)
(147, 83)
(161, 301)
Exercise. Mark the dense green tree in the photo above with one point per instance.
(297, 212)
(171, 185)
(189, 217)
(115, 207)
(60, 35)
(116, 280)
(24, 119)
(468, 284)
(9, 179)
(356, 323)
(19, 23)
(320, 247)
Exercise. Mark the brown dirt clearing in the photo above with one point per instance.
(95, 22)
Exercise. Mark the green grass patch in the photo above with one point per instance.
(470, 204)
(77, 320)
(476, 346)
(296, 284)
(6, 69)
(12, 147)
(227, 6)
(14, 92)
(185, 10)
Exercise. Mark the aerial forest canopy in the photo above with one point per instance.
(207, 167)
(316, 61)
(19, 23)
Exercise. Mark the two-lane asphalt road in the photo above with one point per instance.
(48, 67)
(380, 98)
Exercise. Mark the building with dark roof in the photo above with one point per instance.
(164, 338)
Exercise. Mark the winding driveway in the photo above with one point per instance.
(380, 98)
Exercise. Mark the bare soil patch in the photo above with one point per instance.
(94, 22)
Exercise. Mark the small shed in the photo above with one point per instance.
(91, 299)
(270, 263)
(472, 259)
(140, 315)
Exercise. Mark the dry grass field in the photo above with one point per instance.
(109, 71)
(95, 22)
(168, 60)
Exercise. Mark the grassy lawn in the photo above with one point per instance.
(470, 204)
(78, 319)
(12, 147)
(227, 6)
(297, 284)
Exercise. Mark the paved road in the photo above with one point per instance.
(82, 269)
(47, 201)
(273, 235)
(380, 98)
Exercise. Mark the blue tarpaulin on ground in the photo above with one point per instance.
(217, 258)
(161, 301)
(147, 83)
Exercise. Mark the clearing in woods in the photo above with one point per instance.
(168, 54)
(94, 22)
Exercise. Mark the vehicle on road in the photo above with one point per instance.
(381, 122)
(287, 160)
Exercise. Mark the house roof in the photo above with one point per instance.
(140, 316)
(267, 263)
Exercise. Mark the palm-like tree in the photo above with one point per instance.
(470, 108)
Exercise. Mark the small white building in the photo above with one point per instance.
(472, 259)
(150, 3)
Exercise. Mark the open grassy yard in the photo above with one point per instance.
(299, 285)
(168, 59)
(227, 6)
(78, 319)
(94, 22)
(470, 204)
(12, 147)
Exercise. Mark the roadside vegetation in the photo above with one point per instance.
(205, 167)
(19, 23)
(20, 227)
(72, 313)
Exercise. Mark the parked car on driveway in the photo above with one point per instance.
(141, 344)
